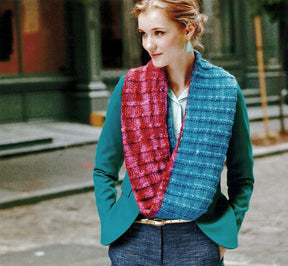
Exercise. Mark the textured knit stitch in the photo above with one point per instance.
(181, 185)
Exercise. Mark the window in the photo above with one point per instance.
(221, 31)
(111, 33)
(8, 38)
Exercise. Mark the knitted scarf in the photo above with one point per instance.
(181, 184)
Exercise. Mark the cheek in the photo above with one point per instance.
(167, 44)
(175, 44)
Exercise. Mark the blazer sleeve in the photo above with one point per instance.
(109, 155)
(240, 180)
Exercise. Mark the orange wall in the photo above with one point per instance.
(43, 37)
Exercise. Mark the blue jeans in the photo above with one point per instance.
(172, 244)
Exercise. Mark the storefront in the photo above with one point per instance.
(60, 59)
(33, 60)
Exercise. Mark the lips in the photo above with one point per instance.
(155, 55)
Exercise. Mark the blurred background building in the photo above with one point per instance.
(60, 59)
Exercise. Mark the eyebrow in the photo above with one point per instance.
(154, 29)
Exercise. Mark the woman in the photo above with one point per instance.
(173, 122)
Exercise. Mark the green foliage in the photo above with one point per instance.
(276, 9)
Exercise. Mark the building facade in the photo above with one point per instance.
(60, 59)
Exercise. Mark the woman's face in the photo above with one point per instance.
(162, 38)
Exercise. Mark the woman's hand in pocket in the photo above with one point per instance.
(222, 251)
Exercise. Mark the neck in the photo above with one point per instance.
(180, 75)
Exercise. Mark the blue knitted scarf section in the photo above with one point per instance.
(202, 144)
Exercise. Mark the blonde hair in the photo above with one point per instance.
(182, 12)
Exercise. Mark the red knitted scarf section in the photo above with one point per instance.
(145, 136)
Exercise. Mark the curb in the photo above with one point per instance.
(260, 152)
(44, 148)
(47, 194)
(40, 195)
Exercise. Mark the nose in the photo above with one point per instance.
(149, 44)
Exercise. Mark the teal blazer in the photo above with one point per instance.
(223, 219)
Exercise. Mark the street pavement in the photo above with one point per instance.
(64, 229)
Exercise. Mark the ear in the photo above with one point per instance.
(189, 31)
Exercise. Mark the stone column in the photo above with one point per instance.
(90, 93)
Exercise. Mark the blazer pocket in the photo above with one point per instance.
(126, 186)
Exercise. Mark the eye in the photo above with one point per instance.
(159, 32)
(142, 34)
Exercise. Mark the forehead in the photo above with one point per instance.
(154, 18)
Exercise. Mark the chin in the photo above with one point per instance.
(158, 64)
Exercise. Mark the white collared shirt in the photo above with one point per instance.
(178, 106)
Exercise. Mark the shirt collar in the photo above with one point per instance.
(182, 97)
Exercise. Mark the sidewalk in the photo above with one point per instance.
(23, 138)
(17, 140)
(39, 140)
